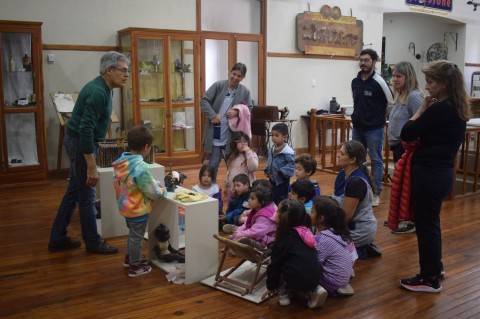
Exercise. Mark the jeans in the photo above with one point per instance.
(136, 231)
(215, 157)
(77, 192)
(373, 142)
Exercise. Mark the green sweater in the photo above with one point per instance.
(91, 115)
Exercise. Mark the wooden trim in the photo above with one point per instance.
(472, 64)
(76, 47)
(199, 15)
(310, 56)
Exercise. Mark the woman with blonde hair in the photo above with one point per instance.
(439, 126)
(407, 99)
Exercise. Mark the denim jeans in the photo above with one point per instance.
(215, 157)
(373, 142)
(136, 231)
(77, 192)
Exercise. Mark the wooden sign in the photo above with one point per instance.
(329, 33)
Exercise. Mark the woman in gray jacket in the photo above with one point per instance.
(216, 105)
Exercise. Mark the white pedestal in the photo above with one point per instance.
(112, 224)
(201, 222)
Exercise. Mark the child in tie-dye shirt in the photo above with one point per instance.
(135, 188)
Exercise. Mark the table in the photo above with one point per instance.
(201, 222)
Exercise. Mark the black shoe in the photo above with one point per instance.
(172, 256)
(373, 250)
(65, 244)
(103, 248)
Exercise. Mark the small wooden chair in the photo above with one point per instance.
(246, 253)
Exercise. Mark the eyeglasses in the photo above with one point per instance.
(124, 70)
(364, 60)
(242, 141)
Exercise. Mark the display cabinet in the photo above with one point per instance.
(162, 91)
(22, 133)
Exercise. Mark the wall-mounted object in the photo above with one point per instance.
(474, 4)
(329, 33)
(437, 51)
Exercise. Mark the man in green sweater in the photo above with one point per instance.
(88, 125)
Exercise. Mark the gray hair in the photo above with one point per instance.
(110, 59)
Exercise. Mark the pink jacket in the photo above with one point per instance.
(247, 165)
(241, 123)
(260, 225)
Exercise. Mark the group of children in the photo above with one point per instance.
(305, 234)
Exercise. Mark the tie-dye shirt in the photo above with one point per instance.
(135, 186)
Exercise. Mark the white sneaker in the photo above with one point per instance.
(346, 290)
(317, 298)
(376, 200)
(229, 228)
(283, 298)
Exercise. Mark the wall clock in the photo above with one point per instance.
(437, 51)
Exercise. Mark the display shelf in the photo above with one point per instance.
(201, 222)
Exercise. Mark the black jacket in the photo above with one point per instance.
(294, 262)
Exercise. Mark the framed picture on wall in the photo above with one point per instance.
(475, 88)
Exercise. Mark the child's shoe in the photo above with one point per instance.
(126, 261)
(140, 270)
(317, 297)
(229, 228)
(283, 297)
(346, 290)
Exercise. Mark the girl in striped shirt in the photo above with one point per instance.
(335, 250)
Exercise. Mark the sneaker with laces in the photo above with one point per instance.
(376, 200)
(66, 244)
(229, 228)
(404, 227)
(421, 283)
(126, 261)
(283, 297)
(317, 298)
(103, 248)
(140, 270)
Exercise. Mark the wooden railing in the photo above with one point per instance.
(332, 130)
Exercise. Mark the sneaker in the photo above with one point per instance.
(376, 200)
(65, 244)
(421, 283)
(126, 261)
(346, 290)
(229, 228)
(103, 248)
(283, 297)
(317, 298)
(404, 227)
(373, 250)
(140, 270)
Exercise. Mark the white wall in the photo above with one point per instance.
(289, 80)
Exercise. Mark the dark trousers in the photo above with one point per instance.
(430, 186)
(397, 151)
(280, 191)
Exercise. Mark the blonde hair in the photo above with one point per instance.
(443, 71)
(411, 83)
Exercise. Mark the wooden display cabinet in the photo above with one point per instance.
(22, 132)
(163, 91)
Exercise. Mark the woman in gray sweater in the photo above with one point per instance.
(216, 105)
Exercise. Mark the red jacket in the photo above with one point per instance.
(400, 208)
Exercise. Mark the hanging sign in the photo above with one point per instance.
(440, 5)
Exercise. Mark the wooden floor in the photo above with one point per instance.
(37, 284)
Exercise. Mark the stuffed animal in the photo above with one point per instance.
(173, 179)
(164, 251)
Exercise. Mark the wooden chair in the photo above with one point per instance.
(260, 117)
(246, 253)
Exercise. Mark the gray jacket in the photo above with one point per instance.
(212, 102)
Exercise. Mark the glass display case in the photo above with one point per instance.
(23, 154)
(162, 91)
